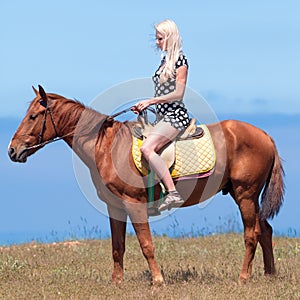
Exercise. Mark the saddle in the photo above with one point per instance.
(191, 153)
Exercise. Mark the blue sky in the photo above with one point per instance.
(244, 60)
(238, 51)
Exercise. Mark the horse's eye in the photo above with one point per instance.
(33, 116)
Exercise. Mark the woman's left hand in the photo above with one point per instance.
(141, 105)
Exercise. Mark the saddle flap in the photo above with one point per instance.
(168, 154)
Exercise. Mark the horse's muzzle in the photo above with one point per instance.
(18, 155)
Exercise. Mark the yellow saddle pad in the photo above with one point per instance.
(192, 156)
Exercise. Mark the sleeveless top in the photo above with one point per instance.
(174, 113)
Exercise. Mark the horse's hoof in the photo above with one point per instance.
(117, 280)
(243, 280)
(158, 281)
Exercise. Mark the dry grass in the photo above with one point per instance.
(194, 268)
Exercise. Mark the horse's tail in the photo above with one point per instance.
(272, 196)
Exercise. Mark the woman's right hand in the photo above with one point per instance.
(141, 105)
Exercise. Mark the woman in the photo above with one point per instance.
(170, 82)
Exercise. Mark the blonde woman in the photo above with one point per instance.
(170, 82)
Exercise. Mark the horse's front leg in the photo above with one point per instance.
(118, 219)
(139, 219)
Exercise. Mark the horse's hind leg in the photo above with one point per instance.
(265, 240)
(249, 214)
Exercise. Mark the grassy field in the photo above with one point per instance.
(193, 268)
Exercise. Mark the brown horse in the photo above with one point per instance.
(247, 164)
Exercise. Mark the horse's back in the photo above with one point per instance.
(250, 151)
(242, 135)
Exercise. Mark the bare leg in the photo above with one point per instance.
(163, 133)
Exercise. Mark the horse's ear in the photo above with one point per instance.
(44, 101)
(35, 90)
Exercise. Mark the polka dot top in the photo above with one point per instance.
(173, 112)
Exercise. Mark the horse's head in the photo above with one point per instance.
(36, 128)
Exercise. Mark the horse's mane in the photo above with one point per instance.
(89, 119)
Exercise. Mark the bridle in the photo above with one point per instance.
(47, 110)
(42, 143)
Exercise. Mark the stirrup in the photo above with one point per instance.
(153, 212)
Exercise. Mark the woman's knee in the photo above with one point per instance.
(146, 151)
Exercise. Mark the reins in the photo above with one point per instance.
(48, 142)
(109, 118)
(142, 113)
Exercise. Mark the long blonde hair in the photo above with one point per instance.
(173, 44)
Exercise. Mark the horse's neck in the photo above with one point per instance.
(85, 126)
